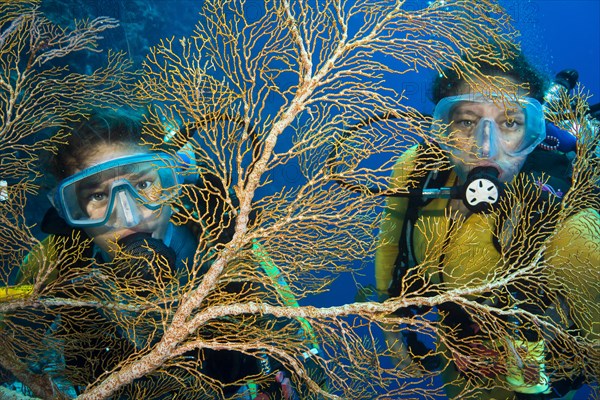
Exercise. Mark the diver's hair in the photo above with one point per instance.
(122, 126)
(519, 69)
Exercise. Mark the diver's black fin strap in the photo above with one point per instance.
(406, 257)
(433, 179)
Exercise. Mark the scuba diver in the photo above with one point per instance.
(119, 195)
(487, 140)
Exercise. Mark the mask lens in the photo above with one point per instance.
(89, 197)
(471, 123)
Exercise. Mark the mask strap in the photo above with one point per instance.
(188, 165)
(168, 235)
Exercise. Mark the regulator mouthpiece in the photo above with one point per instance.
(482, 189)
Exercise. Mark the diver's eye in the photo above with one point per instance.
(143, 185)
(512, 125)
(97, 196)
(465, 123)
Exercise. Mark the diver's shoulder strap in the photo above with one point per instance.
(554, 163)
(54, 224)
(552, 172)
(556, 166)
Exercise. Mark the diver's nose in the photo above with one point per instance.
(485, 136)
(125, 213)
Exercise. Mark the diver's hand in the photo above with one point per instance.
(287, 390)
(481, 359)
(399, 352)
(289, 393)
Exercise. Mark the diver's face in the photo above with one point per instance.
(486, 135)
(93, 198)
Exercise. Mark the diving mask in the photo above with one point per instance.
(115, 189)
(489, 124)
